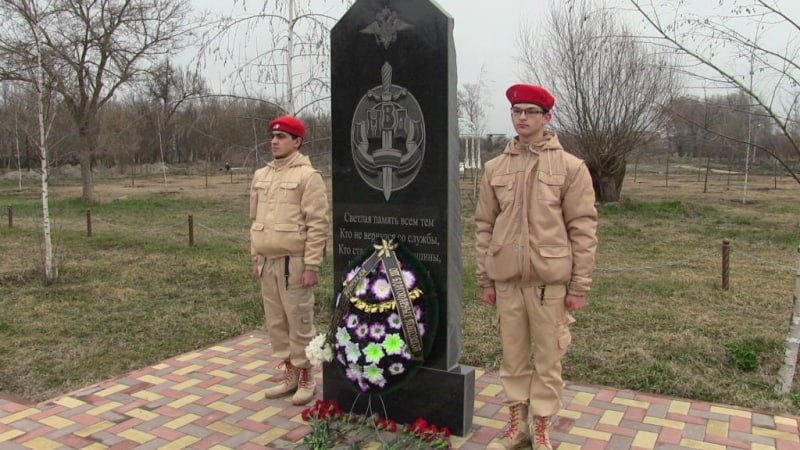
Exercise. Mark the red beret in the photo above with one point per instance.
(289, 124)
(530, 93)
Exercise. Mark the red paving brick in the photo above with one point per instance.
(143, 407)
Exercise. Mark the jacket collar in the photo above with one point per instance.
(551, 143)
(293, 160)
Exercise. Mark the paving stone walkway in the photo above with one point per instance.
(213, 398)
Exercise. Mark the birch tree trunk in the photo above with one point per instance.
(16, 138)
(50, 271)
(789, 366)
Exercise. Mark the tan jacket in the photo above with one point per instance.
(289, 211)
(536, 220)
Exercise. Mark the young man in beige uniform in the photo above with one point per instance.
(289, 214)
(535, 246)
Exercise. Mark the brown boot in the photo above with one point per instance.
(306, 388)
(516, 435)
(541, 439)
(287, 381)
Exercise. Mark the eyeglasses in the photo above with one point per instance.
(527, 111)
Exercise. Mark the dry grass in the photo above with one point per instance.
(135, 293)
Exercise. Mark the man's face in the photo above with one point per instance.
(284, 144)
(529, 120)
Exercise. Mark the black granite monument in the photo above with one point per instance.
(395, 175)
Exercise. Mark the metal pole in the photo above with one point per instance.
(191, 231)
(89, 222)
(726, 260)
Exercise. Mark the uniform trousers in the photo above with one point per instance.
(288, 311)
(534, 333)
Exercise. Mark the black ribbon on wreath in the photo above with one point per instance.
(385, 318)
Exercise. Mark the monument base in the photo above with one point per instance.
(443, 398)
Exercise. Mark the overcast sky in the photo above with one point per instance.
(485, 39)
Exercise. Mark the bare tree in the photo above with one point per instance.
(729, 41)
(90, 49)
(293, 70)
(609, 88)
(32, 31)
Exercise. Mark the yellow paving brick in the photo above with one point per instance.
(143, 414)
(582, 398)
(499, 424)
(59, 423)
(92, 429)
(629, 402)
(222, 374)
(479, 373)
(222, 389)
(69, 402)
(41, 443)
(491, 390)
(221, 349)
(181, 421)
(782, 435)
(717, 428)
(181, 402)
(645, 439)
(219, 360)
(96, 446)
(112, 390)
(18, 416)
(103, 408)
(189, 356)
(224, 407)
(757, 446)
(265, 413)
(152, 379)
(183, 442)
(254, 365)
(186, 384)
(225, 428)
(731, 412)
(257, 396)
(570, 414)
(786, 421)
(612, 418)
(691, 443)
(137, 436)
(10, 434)
(663, 422)
(568, 446)
(250, 341)
(188, 369)
(252, 352)
(679, 407)
(147, 395)
(161, 366)
(457, 441)
(591, 434)
(269, 436)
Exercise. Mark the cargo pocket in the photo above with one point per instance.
(289, 193)
(553, 263)
(262, 188)
(502, 262)
(258, 238)
(305, 320)
(503, 187)
(549, 187)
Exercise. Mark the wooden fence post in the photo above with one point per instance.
(726, 262)
(10, 217)
(792, 345)
(191, 231)
(89, 222)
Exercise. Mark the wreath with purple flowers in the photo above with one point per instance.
(369, 343)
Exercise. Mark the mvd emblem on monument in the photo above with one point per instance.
(388, 129)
